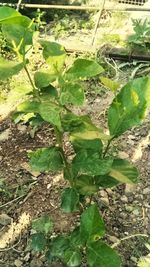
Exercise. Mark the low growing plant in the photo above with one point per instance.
(55, 90)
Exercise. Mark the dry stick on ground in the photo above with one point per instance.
(128, 237)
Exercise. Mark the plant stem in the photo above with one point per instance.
(35, 91)
(107, 148)
(127, 237)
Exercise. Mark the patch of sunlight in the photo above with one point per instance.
(18, 89)
(140, 148)
(14, 231)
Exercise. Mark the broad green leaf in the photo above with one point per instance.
(85, 185)
(20, 21)
(29, 107)
(39, 242)
(105, 181)
(72, 257)
(130, 106)
(110, 84)
(49, 92)
(92, 226)
(72, 94)
(75, 238)
(69, 200)
(43, 224)
(54, 54)
(18, 37)
(123, 171)
(71, 122)
(59, 245)
(9, 68)
(101, 255)
(50, 112)
(7, 12)
(83, 69)
(46, 159)
(90, 163)
(81, 143)
(43, 78)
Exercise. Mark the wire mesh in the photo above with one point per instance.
(133, 2)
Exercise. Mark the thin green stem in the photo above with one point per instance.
(35, 91)
(107, 148)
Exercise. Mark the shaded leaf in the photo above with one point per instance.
(81, 143)
(75, 238)
(59, 245)
(92, 226)
(83, 69)
(85, 185)
(101, 255)
(69, 200)
(50, 112)
(129, 106)
(72, 257)
(105, 181)
(39, 242)
(72, 94)
(9, 68)
(46, 159)
(43, 78)
(43, 224)
(90, 163)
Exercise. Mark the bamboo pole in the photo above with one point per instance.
(98, 21)
(86, 8)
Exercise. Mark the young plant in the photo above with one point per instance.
(140, 39)
(55, 90)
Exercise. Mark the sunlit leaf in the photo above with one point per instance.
(54, 55)
(7, 12)
(130, 106)
(29, 107)
(9, 68)
(72, 94)
(110, 84)
(83, 69)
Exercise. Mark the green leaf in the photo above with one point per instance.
(130, 106)
(29, 107)
(72, 257)
(39, 242)
(85, 185)
(46, 159)
(75, 238)
(83, 69)
(124, 172)
(105, 181)
(101, 255)
(92, 226)
(71, 122)
(59, 245)
(43, 78)
(50, 112)
(92, 144)
(7, 12)
(54, 54)
(90, 163)
(72, 94)
(69, 200)
(17, 36)
(49, 92)
(43, 224)
(9, 68)
(112, 85)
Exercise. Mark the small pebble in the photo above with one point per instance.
(18, 263)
